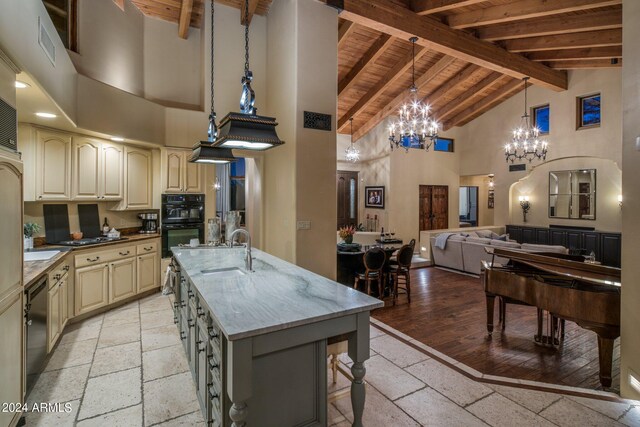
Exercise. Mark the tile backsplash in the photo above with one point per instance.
(33, 212)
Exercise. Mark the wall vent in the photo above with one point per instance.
(8, 127)
(317, 121)
(46, 43)
(518, 168)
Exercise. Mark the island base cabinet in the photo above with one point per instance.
(11, 328)
(92, 288)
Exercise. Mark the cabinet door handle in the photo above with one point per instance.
(175, 320)
(183, 336)
(191, 323)
(213, 333)
(39, 197)
(201, 349)
(124, 253)
(190, 293)
(213, 396)
(148, 249)
(65, 268)
(201, 312)
(93, 260)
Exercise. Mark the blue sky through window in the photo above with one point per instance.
(541, 118)
(590, 110)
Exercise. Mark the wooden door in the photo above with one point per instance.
(122, 279)
(11, 366)
(86, 169)
(347, 189)
(138, 184)
(147, 272)
(192, 176)
(53, 166)
(433, 207)
(91, 288)
(10, 226)
(53, 317)
(174, 172)
(112, 171)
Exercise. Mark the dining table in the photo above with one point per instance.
(351, 263)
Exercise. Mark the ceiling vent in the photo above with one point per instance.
(46, 43)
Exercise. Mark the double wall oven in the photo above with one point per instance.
(182, 220)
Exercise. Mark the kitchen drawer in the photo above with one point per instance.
(58, 273)
(147, 247)
(94, 258)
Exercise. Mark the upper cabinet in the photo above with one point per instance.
(53, 165)
(178, 174)
(60, 166)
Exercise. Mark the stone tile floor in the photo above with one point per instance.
(127, 368)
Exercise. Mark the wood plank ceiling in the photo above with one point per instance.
(188, 13)
(470, 56)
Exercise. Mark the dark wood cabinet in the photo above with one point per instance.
(606, 246)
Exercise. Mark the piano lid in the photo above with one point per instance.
(590, 273)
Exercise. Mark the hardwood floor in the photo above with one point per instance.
(448, 313)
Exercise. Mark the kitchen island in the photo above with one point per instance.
(261, 335)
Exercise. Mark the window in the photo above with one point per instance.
(589, 112)
(443, 144)
(541, 118)
(63, 14)
(231, 196)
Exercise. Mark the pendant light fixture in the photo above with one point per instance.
(204, 151)
(352, 154)
(525, 142)
(246, 129)
(415, 126)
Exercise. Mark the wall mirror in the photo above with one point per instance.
(572, 194)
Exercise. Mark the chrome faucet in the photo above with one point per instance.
(248, 262)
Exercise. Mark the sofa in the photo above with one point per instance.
(426, 235)
(465, 251)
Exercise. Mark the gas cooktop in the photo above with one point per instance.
(90, 241)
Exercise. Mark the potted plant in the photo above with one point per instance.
(346, 234)
(30, 228)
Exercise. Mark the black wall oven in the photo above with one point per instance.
(182, 220)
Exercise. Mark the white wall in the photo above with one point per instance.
(483, 139)
(630, 315)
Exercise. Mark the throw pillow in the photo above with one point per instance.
(484, 233)
(502, 237)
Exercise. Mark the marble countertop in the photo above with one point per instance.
(276, 295)
(33, 270)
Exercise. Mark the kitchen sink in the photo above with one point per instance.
(224, 273)
(40, 255)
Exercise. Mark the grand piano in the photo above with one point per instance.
(566, 288)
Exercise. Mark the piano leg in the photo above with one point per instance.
(605, 354)
(490, 304)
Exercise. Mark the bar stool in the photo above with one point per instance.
(402, 270)
(374, 260)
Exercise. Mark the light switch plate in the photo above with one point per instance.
(304, 225)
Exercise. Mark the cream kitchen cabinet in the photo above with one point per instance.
(53, 165)
(148, 272)
(54, 316)
(11, 354)
(138, 179)
(122, 279)
(97, 169)
(178, 174)
(91, 288)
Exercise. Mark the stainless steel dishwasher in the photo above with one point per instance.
(36, 320)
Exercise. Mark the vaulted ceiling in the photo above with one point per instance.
(188, 13)
(470, 55)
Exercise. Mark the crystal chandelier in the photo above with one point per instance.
(415, 127)
(352, 154)
(526, 143)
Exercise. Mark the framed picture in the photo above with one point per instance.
(491, 199)
(374, 197)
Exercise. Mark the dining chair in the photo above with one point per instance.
(374, 260)
(402, 271)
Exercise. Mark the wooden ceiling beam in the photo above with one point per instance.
(386, 17)
(552, 25)
(586, 64)
(253, 5)
(427, 7)
(392, 106)
(523, 9)
(485, 104)
(470, 95)
(185, 18)
(606, 52)
(566, 41)
(459, 78)
(376, 50)
(391, 77)
(346, 28)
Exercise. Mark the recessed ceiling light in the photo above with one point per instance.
(22, 85)
(46, 115)
(117, 138)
